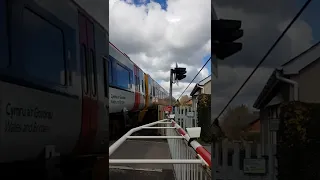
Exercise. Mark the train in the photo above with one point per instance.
(63, 85)
(132, 93)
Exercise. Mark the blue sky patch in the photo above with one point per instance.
(204, 60)
(163, 3)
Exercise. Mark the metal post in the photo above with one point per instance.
(155, 161)
(170, 90)
(214, 67)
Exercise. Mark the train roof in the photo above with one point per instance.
(124, 54)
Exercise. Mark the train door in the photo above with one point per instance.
(137, 88)
(89, 90)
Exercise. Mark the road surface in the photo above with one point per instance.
(139, 149)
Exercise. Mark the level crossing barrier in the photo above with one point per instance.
(190, 160)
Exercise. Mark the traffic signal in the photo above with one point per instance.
(180, 73)
(224, 33)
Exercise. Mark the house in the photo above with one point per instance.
(189, 102)
(296, 80)
(253, 127)
(203, 87)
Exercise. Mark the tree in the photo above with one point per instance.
(235, 120)
(177, 103)
(184, 99)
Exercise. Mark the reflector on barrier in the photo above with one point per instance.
(194, 132)
(171, 116)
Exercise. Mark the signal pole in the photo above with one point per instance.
(179, 75)
(170, 90)
(224, 34)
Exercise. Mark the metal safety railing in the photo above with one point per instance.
(189, 159)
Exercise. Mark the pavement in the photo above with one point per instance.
(142, 149)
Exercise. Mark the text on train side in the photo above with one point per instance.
(35, 112)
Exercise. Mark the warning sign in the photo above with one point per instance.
(167, 108)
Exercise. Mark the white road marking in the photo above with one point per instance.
(135, 169)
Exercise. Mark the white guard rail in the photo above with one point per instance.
(189, 162)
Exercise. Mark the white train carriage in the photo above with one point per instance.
(55, 72)
(52, 85)
(126, 83)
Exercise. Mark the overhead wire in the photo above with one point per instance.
(258, 65)
(265, 57)
(195, 77)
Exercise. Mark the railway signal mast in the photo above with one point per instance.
(224, 33)
(176, 74)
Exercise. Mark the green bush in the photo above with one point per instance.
(204, 115)
(298, 152)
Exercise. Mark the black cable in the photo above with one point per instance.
(265, 56)
(195, 76)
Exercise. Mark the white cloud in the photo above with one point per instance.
(156, 39)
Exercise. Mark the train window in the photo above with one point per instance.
(84, 68)
(138, 80)
(142, 86)
(153, 91)
(94, 72)
(4, 52)
(44, 49)
(123, 77)
(110, 71)
(106, 68)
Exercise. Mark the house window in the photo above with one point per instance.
(273, 112)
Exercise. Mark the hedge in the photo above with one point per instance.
(204, 115)
(298, 141)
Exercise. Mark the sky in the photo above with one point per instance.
(157, 34)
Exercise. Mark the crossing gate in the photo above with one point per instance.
(239, 160)
(186, 116)
(190, 160)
